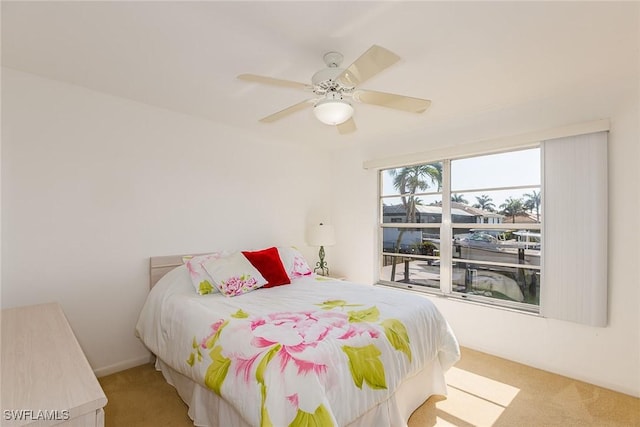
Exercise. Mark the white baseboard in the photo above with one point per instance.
(121, 366)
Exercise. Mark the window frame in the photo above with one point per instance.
(447, 227)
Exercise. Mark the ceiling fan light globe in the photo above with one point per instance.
(333, 111)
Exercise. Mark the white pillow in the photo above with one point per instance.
(199, 277)
(234, 275)
(294, 262)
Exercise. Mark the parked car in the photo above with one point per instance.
(478, 239)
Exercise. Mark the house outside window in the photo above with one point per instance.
(466, 227)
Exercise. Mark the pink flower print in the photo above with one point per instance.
(293, 399)
(245, 365)
(296, 332)
(239, 284)
(300, 267)
(192, 270)
(215, 327)
(194, 265)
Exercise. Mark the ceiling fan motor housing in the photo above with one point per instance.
(324, 81)
(332, 109)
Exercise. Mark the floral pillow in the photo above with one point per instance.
(234, 275)
(201, 280)
(294, 262)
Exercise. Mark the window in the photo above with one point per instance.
(526, 228)
(468, 227)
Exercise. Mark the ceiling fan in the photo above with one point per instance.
(336, 87)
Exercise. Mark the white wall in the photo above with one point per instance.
(93, 185)
(609, 356)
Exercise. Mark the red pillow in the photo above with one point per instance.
(268, 263)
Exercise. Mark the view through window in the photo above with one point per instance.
(467, 227)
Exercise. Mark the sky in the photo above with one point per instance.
(473, 177)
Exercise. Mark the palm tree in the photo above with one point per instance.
(459, 198)
(532, 202)
(413, 178)
(512, 207)
(485, 203)
(408, 181)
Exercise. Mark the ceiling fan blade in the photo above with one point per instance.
(287, 111)
(272, 81)
(391, 100)
(368, 65)
(347, 127)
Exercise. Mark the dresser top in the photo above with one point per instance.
(43, 366)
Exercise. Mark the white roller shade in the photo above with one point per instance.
(574, 264)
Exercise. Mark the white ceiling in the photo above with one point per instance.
(467, 57)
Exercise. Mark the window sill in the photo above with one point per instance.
(479, 301)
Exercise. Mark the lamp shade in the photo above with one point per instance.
(321, 235)
(333, 111)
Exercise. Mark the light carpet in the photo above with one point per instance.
(483, 391)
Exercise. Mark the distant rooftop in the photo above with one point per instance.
(459, 209)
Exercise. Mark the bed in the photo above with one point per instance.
(314, 351)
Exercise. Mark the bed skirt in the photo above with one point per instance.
(207, 409)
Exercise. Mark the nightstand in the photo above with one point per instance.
(46, 378)
(329, 278)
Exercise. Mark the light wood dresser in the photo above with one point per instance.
(46, 378)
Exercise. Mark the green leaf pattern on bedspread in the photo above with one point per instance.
(205, 287)
(365, 365)
(397, 335)
(297, 342)
(368, 315)
(195, 353)
(320, 417)
(217, 370)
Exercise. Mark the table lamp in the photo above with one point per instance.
(321, 235)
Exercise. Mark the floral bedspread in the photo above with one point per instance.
(315, 352)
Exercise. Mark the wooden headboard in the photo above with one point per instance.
(161, 265)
